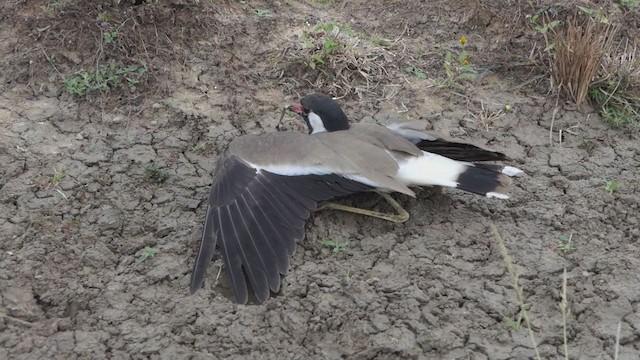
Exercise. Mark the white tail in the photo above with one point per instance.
(432, 169)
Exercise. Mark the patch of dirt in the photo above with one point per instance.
(87, 183)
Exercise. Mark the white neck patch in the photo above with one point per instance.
(317, 125)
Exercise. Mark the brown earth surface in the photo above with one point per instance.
(88, 182)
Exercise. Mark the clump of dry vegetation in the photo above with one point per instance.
(95, 46)
(331, 56)
(617, 91)
(580, 48)
(585, 64)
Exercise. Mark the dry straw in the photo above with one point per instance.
(580, 48)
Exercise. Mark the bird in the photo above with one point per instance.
(266, 186)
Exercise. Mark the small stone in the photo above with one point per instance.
(395, 339)
(20, 127)
(72, 56)
(380, 322)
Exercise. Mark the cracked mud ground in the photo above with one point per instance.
(87, 184)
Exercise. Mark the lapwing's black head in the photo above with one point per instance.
(321, 113)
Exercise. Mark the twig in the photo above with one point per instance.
(553, 118)
(516, 286)
(61, 193)
(48, 58)
(7, 316)
(617, 350)
(565, 313)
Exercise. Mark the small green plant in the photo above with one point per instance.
(516, 323)
(457, 67)
(617, 118)
(147, 252)
(597, 14)
(542, 24)
(273, 57)
(104, 78)
(50, 58)
(324, 42)
(564, 243)
(381, 41)
(628, 4)
(110, 36)
(102, 17)
(155, 174)
(543, 27)
(619, 103)
(347, 276)
(336, 247)
(416, 71)
(610, 186)
(56, 7)
(56, 177)
(197, 148)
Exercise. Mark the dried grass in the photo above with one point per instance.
(622, 65)
(580, 48)
(617, 90)
(358, 66)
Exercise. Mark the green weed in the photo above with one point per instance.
(197, 148)
(619, 102)
(347, 276)
(102, 17)
(56, 177)
(336, 247)
(628, 4)
(155, 174)
(542, 24)
(147, 252)
(597, 14)
(564, 243)
(110, 36)
(104, 78)
(56, 7)
(457, 67)
(611, 186)
(516, 323)
(381, 41)
(416, 71)
(323, 41)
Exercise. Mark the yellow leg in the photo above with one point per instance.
(401, 216)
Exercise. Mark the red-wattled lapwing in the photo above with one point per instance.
(266, 186)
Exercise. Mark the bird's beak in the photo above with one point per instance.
(297, 108)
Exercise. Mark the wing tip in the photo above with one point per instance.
(512, 171)
(497, 195)
(196, 283)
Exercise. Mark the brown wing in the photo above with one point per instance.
(256, 217)
(384, 138)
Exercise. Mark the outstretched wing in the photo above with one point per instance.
(415, 132)
(257, 217)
